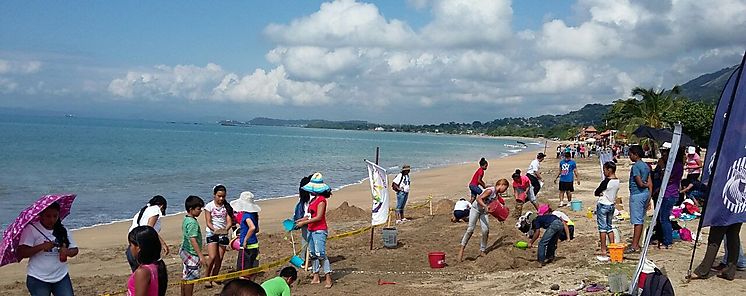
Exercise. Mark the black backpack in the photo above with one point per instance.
(657, 284)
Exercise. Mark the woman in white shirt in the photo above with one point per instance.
(149, 215)
(47, 244)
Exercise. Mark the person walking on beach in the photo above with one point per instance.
(478, 212)
(534, 174)
(319, 231)
(47, 244)
(249, 251)
(566, 175)
(149, 215)
(400, 184)
(606, 193)
(522, 192)
(640, 188)
(191, 245)
(151, 277)
(477, 180)
(218, 220)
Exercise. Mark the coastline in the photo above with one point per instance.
(444, 182)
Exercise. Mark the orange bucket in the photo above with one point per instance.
(616, 252)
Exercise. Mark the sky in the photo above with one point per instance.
(416, 61)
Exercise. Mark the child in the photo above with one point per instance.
(242, 287)
(318, 230)
(522, 191)
(149, 215)
(150, 278)
(191, 245)
(461, 211)
(247, 256)
(280, 285)
(548, 242)
(478, 212)
(606, 193)
(47, 244)
(218, 219)
(477, 181)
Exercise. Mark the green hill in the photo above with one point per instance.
(708, 86)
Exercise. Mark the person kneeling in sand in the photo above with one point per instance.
(478, 211)
(461, 211)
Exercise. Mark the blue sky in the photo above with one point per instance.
(419, 61)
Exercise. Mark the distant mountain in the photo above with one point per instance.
(278, 122)
(708, 86)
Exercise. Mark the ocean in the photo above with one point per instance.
(116, 166)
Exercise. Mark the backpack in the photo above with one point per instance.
(657, 284)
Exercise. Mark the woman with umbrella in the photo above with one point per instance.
(47, 244)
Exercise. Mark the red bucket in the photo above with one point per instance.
(437, 259)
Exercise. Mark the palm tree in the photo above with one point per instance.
(654, 104)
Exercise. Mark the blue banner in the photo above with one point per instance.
(727, 199)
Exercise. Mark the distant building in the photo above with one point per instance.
(379, 129)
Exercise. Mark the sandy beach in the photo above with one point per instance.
(101, 266)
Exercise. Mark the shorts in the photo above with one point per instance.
(638, 204)
(525, 195)
(221, 239)
(604, 217)
(247, 258)
(461, 214)
(191, 265)
(474, 190)
(566, 186)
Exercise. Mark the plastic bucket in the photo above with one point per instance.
(576, 205)
(296, 261)
(389, 237)
(235, 244)
(616, 252)
(437, 259)
(288, 224)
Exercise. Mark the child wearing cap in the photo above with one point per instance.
(693, 163)
(553, 226)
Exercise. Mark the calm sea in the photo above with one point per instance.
(115, 166)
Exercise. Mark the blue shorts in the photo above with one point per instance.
(604, 217)
(638, 204)
(475, 190)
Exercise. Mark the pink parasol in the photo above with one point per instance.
(12, 234)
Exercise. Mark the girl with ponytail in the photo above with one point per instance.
(149, 215)
(150, 278)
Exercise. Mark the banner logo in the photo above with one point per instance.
(734, 192)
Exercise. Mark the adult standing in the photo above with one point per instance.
(477, 180)
(559, 151)
(400, 184)
(478, 212)
(534, 174)
(693, 163)
(319, 233)
(149, 215)
(717, 233)
(566, 175)
(640, 187)
(670, 197)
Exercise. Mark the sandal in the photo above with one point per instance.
(631, 251)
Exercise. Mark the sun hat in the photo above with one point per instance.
(316, 185)
(406, 167)
(543, 209)
(691, 150)
(246, 203)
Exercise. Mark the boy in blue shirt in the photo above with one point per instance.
(553, 226)
(566, 175)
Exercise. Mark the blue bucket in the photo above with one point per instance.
(288, 224)
(576, 205)
(296, 261)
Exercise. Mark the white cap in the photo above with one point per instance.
(691, 150)
(666, 145)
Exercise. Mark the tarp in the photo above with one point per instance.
(726, 156)
(380, 193)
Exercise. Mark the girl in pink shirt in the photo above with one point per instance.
(522, 191)
(150, 278)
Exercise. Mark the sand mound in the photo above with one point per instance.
(443, 207)
(346, 212)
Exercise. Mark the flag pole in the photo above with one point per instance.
(373, 227)
(715, 158)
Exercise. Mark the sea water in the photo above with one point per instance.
(116, 166)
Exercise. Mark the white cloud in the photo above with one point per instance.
(19, 67)
(469, 23)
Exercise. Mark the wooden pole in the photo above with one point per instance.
(431, 205)
(373, 227)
